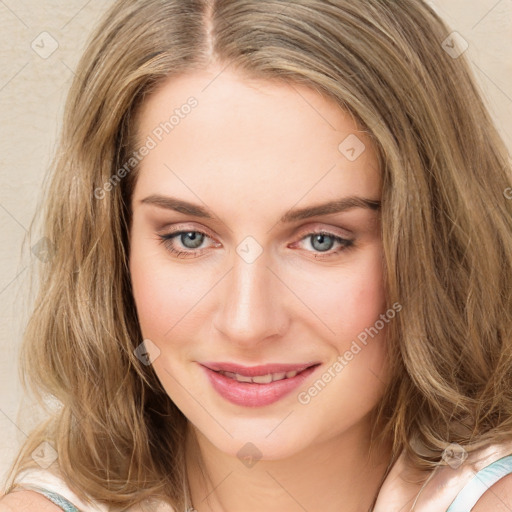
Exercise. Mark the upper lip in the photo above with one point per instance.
(255, 371)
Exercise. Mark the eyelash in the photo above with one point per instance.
(167, 240)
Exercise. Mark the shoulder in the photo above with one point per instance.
(26, 501)
(498, 498)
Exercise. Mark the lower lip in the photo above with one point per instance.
(252, 394)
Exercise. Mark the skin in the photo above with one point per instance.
(249, 152)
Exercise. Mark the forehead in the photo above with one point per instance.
(256, 137)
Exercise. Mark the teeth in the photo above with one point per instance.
(260, 379)
(241, 378)
(263, 379)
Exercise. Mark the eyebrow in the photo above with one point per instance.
(336, 206)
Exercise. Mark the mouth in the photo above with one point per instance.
(256, 385)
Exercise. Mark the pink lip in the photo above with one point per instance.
(250, 394)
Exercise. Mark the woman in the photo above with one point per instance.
(282, 276)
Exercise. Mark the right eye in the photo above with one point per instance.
(189, 242)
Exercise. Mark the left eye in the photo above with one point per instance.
(322, 243)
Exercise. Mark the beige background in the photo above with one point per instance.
(32, 90)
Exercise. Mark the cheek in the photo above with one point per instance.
(355, 377)
(361, 299)
(155, 292)
(350, 298)
(168, 295)
(148, 295)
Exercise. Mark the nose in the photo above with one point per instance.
(250, 303)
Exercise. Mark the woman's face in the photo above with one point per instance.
(237, 262)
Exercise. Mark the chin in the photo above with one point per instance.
(261, 439)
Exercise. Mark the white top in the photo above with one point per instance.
(36, 479)
(445, 483)
(448, 488)
(40, 480)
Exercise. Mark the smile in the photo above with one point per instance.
(256, 386)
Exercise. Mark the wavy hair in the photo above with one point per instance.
(446, 230)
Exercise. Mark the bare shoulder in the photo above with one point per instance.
(26, 501)
(498, 498)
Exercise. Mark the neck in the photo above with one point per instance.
(332, 475)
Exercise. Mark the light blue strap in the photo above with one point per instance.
(59, 500)
(476, 487)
